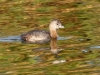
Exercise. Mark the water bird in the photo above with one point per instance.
(42, 36)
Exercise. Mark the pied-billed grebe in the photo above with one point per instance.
(42, 36)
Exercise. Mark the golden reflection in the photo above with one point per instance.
(53, 45)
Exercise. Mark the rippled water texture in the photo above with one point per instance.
(75, 52)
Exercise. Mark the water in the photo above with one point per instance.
(91, 48)
(75, 52)
(11, 39)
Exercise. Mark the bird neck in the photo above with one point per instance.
(53, 33)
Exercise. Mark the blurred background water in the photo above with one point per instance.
(78, 42)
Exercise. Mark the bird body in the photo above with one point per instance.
(42, 36)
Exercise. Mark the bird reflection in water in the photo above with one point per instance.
(44, 53)
(54, 49)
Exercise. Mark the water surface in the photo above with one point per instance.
(78, 45)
